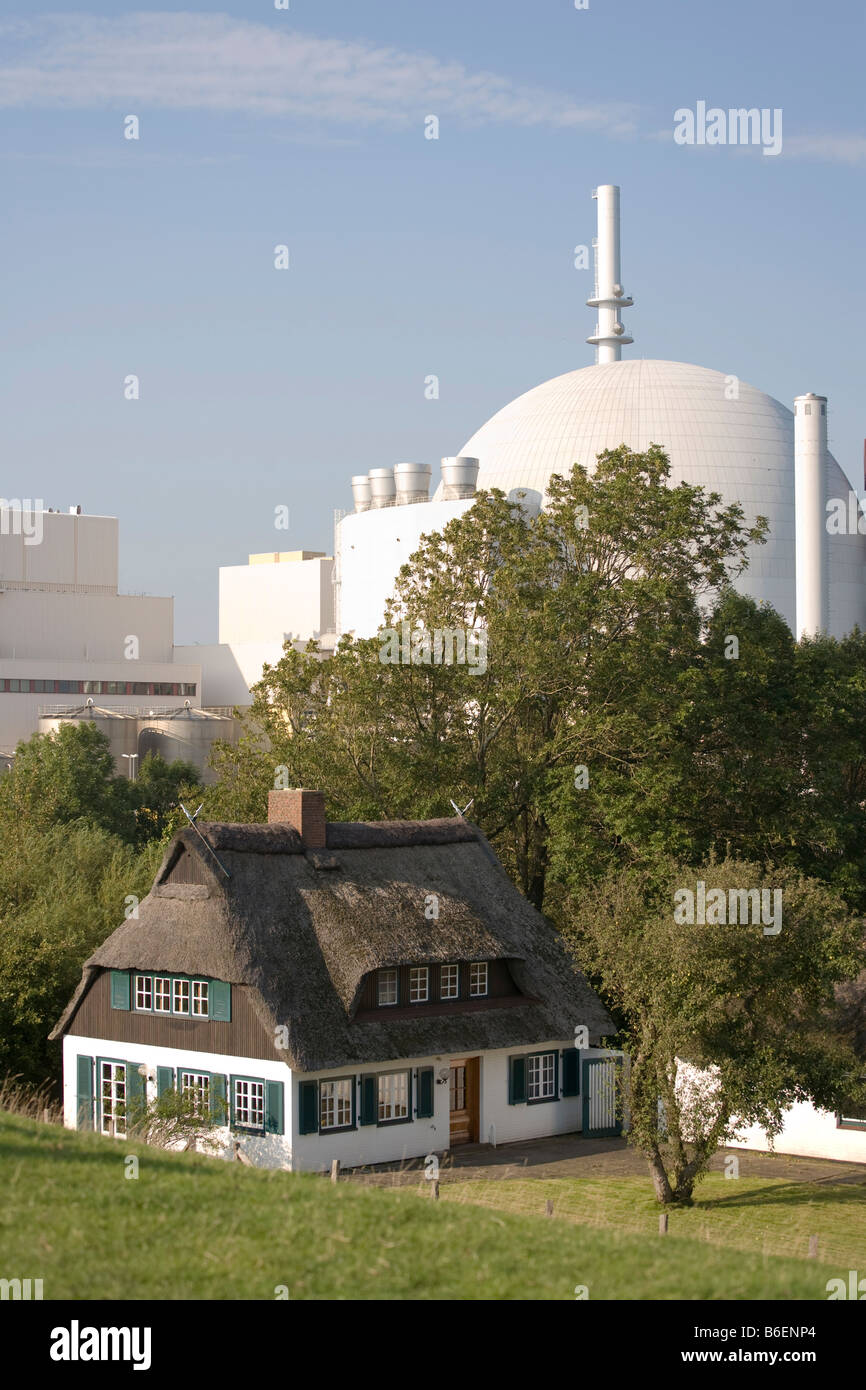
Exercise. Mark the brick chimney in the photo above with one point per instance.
(302, 809)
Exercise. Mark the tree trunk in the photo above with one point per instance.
(664, 1192)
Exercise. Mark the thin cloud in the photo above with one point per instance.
(831, 149)
(219, 63)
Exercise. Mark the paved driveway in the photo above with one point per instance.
(572, 1156)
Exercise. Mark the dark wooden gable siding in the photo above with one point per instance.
(187, 868)
(244, 1036)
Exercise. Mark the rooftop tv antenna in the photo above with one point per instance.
(191, 819)
(461, 814)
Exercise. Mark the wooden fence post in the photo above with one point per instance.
(434, 1187)
(548, 1210)
(813, 1248)
(335, 1169)
(663, 1224)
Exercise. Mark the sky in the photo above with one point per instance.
(262, 388)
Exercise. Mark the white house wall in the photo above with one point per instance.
(266, 1151)
(810, 1133)
(366, 1144)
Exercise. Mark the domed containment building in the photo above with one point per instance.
(718, 432)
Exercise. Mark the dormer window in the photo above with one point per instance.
(387, 987)
(477, 979)
(419, 984)
(449, 981)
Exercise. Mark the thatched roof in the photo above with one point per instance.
(301, 928)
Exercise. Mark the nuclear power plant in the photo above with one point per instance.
(718, 432)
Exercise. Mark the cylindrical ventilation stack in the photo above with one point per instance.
(810, 461)
(361, 492)
(459, 476)
(412, 481)
(382, 487)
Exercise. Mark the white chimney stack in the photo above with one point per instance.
(459, 477)
(412, 481)
(361, 492)
(609, 297)
(810, 466)
(383, 490)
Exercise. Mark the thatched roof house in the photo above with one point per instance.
(301, 916)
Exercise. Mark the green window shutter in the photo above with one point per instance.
(516, 1080)
(570, 1071)
(369, 1100)
(164, 1080)
(425, 1093)
(274, 1107)
(218, 1104)
(84, 1112)
(308, 1107)
(120, 989)
(220, 1001)
(136, 1093)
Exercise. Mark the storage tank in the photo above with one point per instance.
(361, 492)
(188, 734)
(120, 729)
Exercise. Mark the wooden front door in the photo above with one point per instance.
(464, 1101)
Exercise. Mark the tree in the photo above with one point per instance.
(587, 610)
(63, 889)
(66, 776)
(156, 792)
(725, 1024)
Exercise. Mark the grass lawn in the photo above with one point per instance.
(192, 1227)
(764, 1216)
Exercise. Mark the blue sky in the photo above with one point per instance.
(409, 257)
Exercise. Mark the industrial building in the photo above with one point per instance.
(718, 432)
(72, 647)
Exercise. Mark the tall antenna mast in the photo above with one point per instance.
(609, 296)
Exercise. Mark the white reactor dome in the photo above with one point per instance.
(718, 432)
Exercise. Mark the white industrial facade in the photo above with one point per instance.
(67, 635)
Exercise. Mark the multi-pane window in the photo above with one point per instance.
(143, 992)
(477, 978)
(112, 1097)
(335, 1103)
(197, 1085)
(393, 1096)
(161, 994)
(199, 998)
(541, 1076)
(449, 982)
(419, 984)
(387, 986)
(180, 996)
(249, 1103)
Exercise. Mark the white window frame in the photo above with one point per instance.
(178, 984)
(199, 1083)
(543, 1064)
(164, 995)
(116, 1078)
(144, 987)
(254, 1100)
(197, 987)
(392, 1096)
(419, 975)
(387, 1003)
(474, 967)
(336, 1096)
(452, 993)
